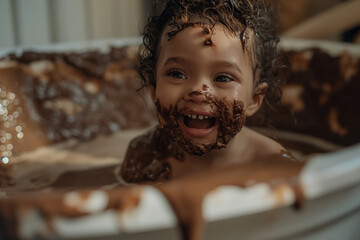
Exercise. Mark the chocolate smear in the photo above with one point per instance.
(230, 118)
(146, 157)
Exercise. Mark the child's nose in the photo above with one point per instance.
(197, 93)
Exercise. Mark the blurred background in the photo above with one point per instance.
(38, 22)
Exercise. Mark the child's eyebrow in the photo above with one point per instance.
(223, 64)
(175, 60)
(226, 64)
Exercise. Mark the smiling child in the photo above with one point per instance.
(209, 64)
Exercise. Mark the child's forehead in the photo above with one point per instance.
(207, 29)
(199, 31)
(217, 34)
(188, 49)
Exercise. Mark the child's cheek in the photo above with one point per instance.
(242, 93)
(167, 94)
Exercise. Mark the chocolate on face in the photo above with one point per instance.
(230, 118)
(199, 55)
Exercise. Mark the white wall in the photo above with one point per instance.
(36, 22)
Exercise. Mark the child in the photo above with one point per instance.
(209, 65)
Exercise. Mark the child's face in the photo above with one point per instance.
(197, 79)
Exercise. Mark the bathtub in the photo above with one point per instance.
(330, 181)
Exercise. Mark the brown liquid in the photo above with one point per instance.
(185, 194)
(53, 97)
(92, 178)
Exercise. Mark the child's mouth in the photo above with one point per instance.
(197, 125)
(199, 121)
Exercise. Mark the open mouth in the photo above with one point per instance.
(199, 121)
(197, 125)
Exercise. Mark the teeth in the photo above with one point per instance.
(193, 116)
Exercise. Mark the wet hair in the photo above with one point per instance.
(239, 17)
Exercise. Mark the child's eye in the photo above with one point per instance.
(176, 74)
(224, 78)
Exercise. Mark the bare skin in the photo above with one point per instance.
(193, 80)
(221, 158)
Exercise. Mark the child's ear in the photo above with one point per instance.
(257, 98)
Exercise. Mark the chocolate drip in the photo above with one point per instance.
(188, 195)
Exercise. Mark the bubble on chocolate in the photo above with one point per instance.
(9, 124)
(230, 117)
(20, 135)
(5, 160)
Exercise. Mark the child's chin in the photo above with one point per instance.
(199, 147)
(208, 138)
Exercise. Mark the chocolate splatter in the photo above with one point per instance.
(209, 42)
(205, 88)
(180, 26)
(208, 30)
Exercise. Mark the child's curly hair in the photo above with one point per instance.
(238, 16)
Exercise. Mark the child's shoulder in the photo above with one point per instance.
(262, 145)
(145, 158)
